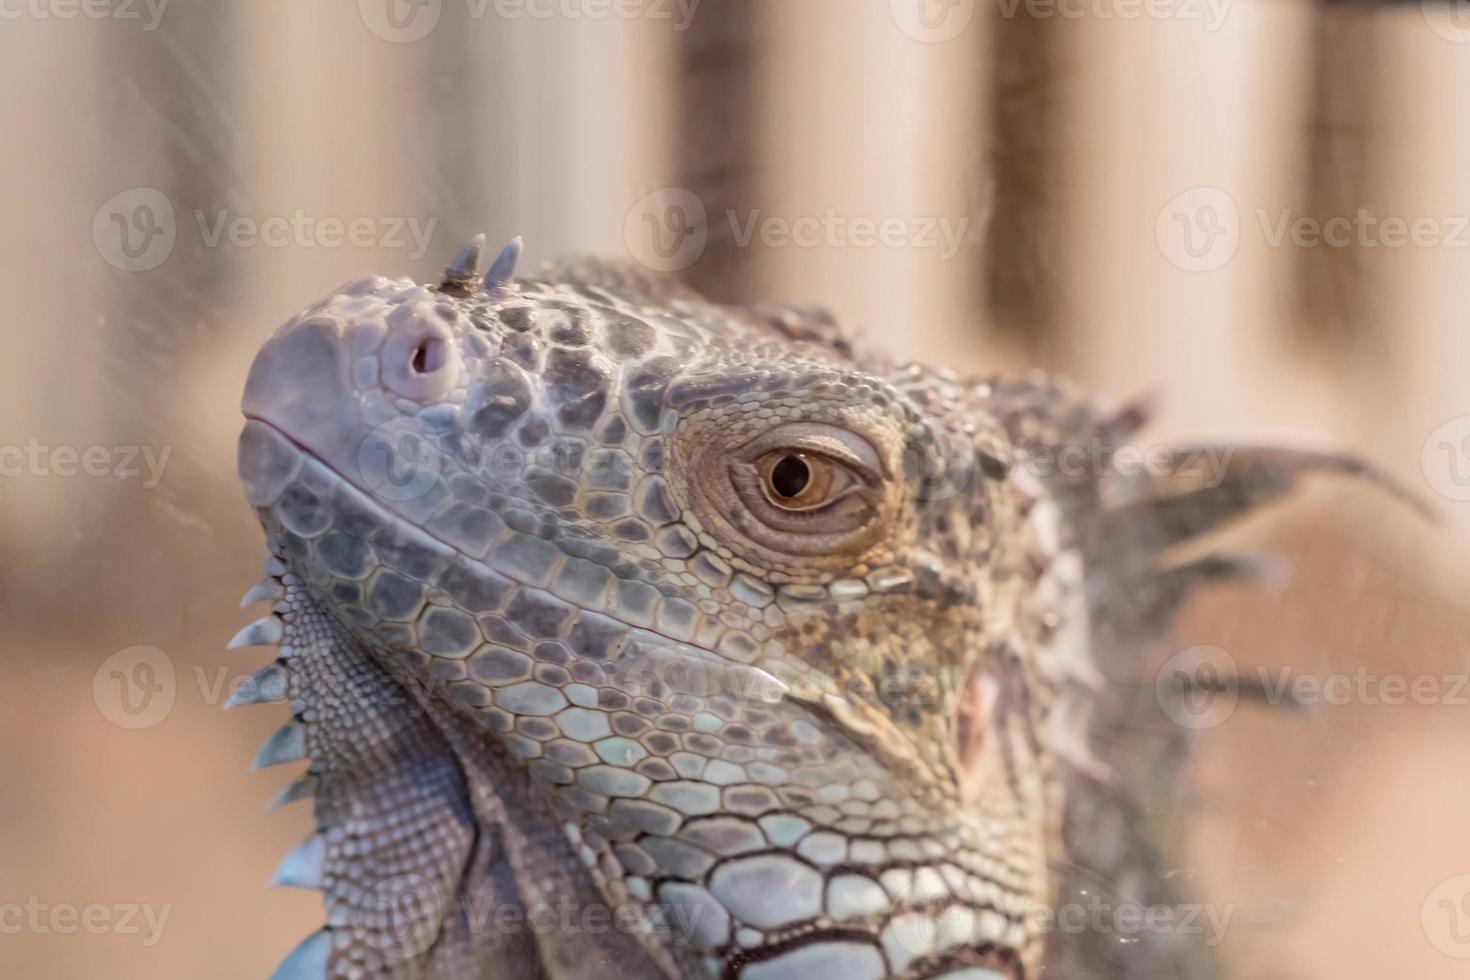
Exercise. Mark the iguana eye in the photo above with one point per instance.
(804, 488)
(821, 491)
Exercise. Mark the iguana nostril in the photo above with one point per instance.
(428, 356)
(419, 360)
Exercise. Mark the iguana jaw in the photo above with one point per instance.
(428, 827)
(288, 485)
(375, 733)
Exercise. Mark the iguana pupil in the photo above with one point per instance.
(790, 476)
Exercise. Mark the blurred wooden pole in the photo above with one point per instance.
(52, 185)
(565, 122)
(874, 125)
(1334, 287)
(1177, 130)
(1025, 156)
(723, 90)
(1422, 391)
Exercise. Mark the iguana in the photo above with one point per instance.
(631, 635)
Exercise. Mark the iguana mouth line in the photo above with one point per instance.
(774, 687)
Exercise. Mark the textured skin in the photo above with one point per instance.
(544, 657)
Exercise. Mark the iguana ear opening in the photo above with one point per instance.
(976, 705)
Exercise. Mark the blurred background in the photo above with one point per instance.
(1257, 208)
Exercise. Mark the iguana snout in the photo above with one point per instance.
(347, 376)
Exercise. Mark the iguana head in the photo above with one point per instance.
(752, 612)
(590, 592)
